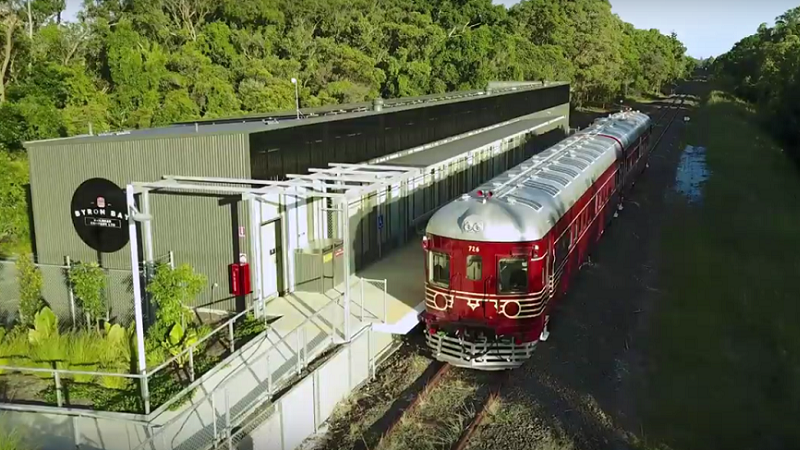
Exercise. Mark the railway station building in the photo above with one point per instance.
(313, 223)
(211, 230)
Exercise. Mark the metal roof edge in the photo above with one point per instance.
(202, 128)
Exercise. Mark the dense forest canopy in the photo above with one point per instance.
(142, 63)
(764, 68)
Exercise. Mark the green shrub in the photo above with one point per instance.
(171, 289)
(178, 340)
(248, 327)
(88, 281)
(118, 383)
(116, 347)
(30, 282)
(15, 346)
(3, 359)
(84, 349)
(45, 326)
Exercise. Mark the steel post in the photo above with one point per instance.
(59, 397)
(361, 285)
(216, 416)
(298, 367)
(137, 296)
(191, 364)
(345, 218)
(147, 235)
(76, 433)
(68, 263)
(230, 336)
(228, 419)
(255, 250)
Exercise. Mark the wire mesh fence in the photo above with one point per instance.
(59, 297)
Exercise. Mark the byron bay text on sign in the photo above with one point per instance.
(99, 215)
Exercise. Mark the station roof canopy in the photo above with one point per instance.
(339, 181)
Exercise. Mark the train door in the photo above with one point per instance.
(475, 278)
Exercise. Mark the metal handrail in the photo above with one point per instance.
(223, 384)
(70, 372)
(385, 289)
(229, 324)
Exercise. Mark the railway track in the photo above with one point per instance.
(484, 392)
(664, 120)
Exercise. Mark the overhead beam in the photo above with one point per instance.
(368, 167)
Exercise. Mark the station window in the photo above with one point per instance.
(474, 268)
(513, 276)
(439, 269)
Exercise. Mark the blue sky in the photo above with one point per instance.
(706, 27)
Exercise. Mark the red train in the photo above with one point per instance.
(497, 258)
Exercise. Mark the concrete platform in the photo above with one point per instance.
(404, 272)
(391, 309)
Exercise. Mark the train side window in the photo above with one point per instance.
(439, 269)
(474, 268)
(513, 275)
(562, 249)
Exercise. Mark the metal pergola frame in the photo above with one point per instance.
(340, 182)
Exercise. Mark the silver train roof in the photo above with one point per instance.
(528, 200)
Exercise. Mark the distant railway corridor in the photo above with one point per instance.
(579, 390)
(447, 412)
(438, 406)
(454, 403)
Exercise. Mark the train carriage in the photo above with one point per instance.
(498, 258)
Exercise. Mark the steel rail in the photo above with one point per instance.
(424, 392)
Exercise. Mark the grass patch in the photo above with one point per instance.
(725, 369)
(519, 425)
(357, 419)
(11, 438)
(439, 418)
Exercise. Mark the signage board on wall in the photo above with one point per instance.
(99, 213)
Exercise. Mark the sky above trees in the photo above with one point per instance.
(706, 27)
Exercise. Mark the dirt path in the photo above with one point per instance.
(580, 389)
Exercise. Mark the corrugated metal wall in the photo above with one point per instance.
(200, 229)
(405, 208)
(296, 149)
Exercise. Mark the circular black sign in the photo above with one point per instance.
(100, 215)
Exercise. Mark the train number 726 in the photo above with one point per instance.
(474, 249)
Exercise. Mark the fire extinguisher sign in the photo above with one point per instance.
(241, 231)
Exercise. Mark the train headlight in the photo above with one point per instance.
(425, 242)
(511, 309)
